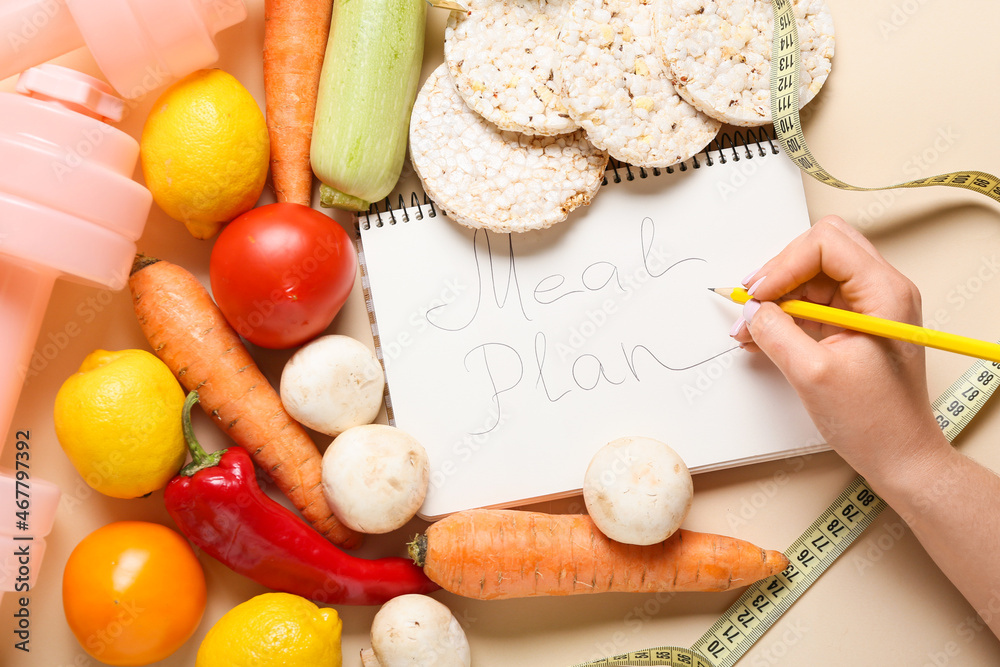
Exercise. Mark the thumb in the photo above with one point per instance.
(791, 349)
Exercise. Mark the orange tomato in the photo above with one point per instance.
(133, 592)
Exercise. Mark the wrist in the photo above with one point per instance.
(915, 474)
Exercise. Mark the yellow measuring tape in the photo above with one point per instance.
(785, 58)
(854, 510)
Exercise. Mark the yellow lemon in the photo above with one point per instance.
(272, 630)
(205, 151)
(119, 421)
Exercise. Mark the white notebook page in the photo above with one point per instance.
(513, 358)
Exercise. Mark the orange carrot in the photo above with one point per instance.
(500, 554)
(295, 34)
(189, 333)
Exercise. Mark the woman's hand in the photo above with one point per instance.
(866, 394)
(868, 397)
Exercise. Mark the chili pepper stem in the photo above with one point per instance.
(199, 458)
(417, 550)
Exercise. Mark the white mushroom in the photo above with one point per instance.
(418, 631)
(375, 477)
(637, 490)
(333, 383)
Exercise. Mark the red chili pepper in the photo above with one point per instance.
(216, 502)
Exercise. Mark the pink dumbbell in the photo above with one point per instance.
(138, 44)
(68, 209)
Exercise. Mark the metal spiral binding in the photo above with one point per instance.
(740, 141)
(373, 216)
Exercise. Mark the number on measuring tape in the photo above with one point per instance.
(960, 402)
(661, 655)
(866, 497)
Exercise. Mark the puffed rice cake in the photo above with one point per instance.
(719, 53)
(617, 89)
(484, 177)
(501, 55)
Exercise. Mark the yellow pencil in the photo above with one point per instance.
(868, 324)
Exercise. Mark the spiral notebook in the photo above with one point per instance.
(514, 358)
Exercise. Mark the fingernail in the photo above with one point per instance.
(749, 276)
(753, 288)
(737, 326)
(750, 309)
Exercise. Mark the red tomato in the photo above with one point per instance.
(280, 273)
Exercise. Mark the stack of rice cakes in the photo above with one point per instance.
(515, 129)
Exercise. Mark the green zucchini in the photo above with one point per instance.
(369, 81)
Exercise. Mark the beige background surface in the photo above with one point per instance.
(913, 92)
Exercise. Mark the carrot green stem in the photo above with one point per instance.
(199, 458)
(417, 550)
(140, 261)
